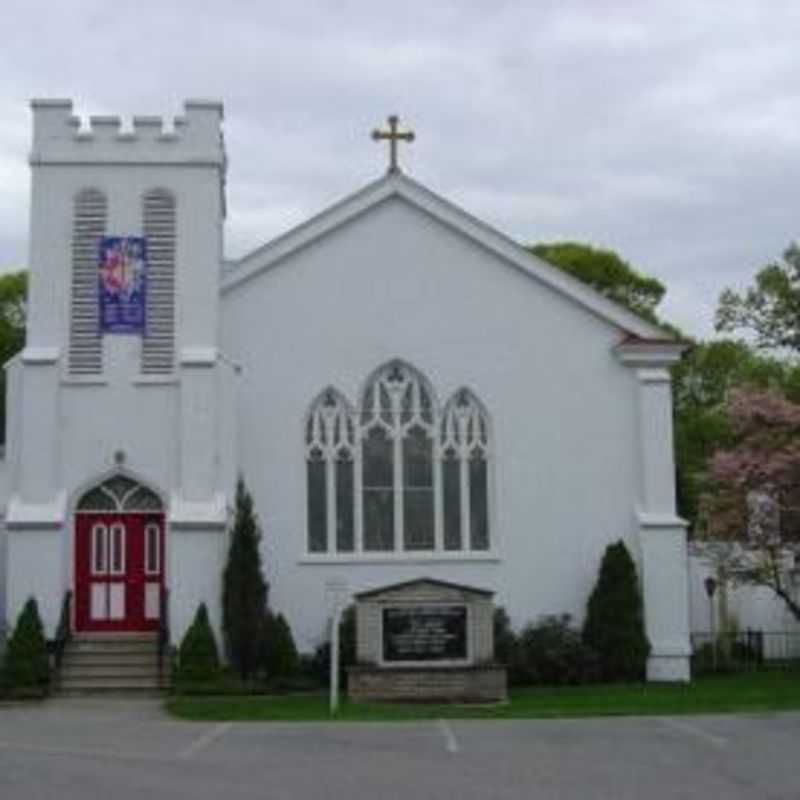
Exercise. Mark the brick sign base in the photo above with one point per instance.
(472, 684)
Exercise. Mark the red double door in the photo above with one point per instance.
(119, 571)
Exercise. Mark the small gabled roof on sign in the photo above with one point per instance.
(461, 587)
(397, 184)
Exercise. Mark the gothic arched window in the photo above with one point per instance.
(330, 447)
(398, 432)
(465, 453)
(398, 475)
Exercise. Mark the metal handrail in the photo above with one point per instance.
(64, 630)
(163, 629)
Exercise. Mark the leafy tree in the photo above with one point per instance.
(751, 510)
(244, 593)
(607, 272)
(614, 625)
(702, 382)
(198, 657)
(770, 308)
(26, 664)
(278, 651)
(13, 307)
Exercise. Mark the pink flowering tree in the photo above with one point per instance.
(751, 506)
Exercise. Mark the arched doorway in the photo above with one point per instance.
(119, 557)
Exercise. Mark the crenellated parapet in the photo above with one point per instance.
(60, 137)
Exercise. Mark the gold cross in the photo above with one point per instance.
(393, 135)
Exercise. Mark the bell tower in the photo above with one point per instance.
(97, 178)
(126, 223)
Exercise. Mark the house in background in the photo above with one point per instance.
(406, 391)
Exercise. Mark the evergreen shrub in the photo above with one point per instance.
(614, 625)
(198, 657)
(27, 664)
(244, 591)
(278, 653)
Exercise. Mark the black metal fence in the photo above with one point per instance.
(745, 650)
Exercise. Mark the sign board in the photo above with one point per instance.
(122, 284)
(425, 633)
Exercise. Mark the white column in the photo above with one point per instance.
(656, 438)
(662, 534)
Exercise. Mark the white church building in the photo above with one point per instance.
(406, 392)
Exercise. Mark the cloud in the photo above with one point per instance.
(666, 130)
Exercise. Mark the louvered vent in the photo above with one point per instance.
(158, 345)
(88, 226)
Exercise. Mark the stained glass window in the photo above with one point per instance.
(378, 483)
(418, 512)
(378, 472)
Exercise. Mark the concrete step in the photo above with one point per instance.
(112, 636)
(115, 694)
(89, 657)
(96, 646)
(111, 663)
(115, 689)
(111, 683)
(80, 671)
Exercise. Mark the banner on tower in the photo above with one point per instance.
(122, 284)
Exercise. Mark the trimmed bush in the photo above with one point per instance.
(614, 625)
(244, 593)
(278, 656)
(198, 657)
(26, 664)
(551, 652)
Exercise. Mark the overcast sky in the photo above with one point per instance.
(669, 131)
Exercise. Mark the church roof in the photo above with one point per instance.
(398, 184)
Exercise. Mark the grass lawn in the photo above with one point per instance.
(778, 691)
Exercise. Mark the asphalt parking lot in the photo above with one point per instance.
(123, 749)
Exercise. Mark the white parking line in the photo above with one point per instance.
(450, 741)
(205, 740)
(693, 730)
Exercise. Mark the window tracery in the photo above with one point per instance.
(397, 475)
(120, 493)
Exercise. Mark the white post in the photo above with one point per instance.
(337, 593)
